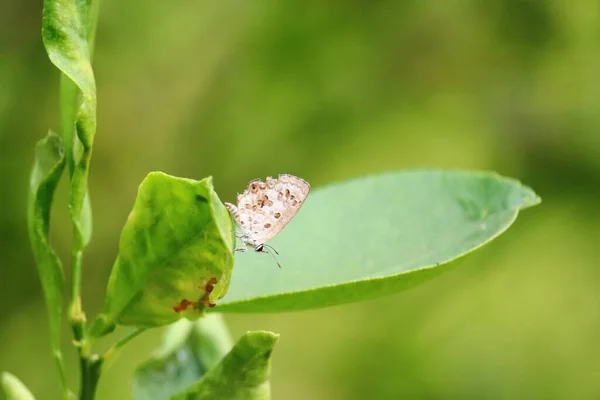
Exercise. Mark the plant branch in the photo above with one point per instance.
(68, 111)
(60, 365)
(93, 11)
(112, 352)
(78, 148)
(90, 375)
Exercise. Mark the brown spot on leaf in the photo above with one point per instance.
(208, 288)
(210, 285)
(184, 304)
(207, 303)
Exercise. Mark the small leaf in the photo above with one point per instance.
(65, 34)
(67, 28)
(11, 388)
(47, 169)
(189, 349)
(243, 374)
(374, 236)
(176, 245)
(210, 340)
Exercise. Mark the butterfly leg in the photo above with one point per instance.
(242, 249)
(238, 236)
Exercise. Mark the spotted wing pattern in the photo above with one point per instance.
(265, 208)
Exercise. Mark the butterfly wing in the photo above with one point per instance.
(265, 208)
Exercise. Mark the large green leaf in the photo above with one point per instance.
(374, 236)
(243, 374)
(11, 388)
(47, 169)
(177, 239)
(188, 350)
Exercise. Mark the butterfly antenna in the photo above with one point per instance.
(271, 253)
(271, 247)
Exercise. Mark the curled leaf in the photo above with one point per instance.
(188, 350)
(243, 374)
(175, 254)
(47, 170)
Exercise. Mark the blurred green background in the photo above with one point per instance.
(329, 90)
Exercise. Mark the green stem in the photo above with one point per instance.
(77, 196)
(60, 365)
(93, 11)
(68, 112)
(111, 353)
(78, 161)
(91, 368)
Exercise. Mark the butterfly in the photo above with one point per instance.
(265, 208)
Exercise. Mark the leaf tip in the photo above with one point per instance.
(11, 388)
(261, 340)
(527, 197)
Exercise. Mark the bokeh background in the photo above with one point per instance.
(329, 90)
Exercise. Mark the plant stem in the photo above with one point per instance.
(93, 11)
(60, 365)
(90, 375)
(111, 353)
(68, 96)
(78, 161)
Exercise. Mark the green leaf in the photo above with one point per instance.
(177, 239)
(68, 29)
(65, 36)
(243, 374)
(11, 388)
(47, 170)
(188, 350)
(69, 98)
(374, 236)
